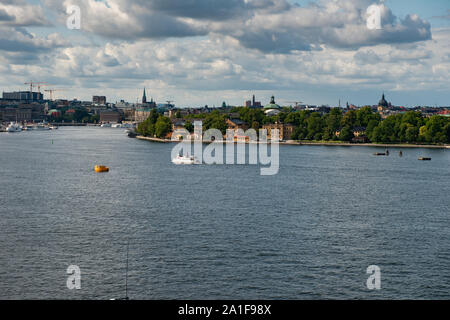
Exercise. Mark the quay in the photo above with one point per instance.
(70, 124)
(328, 144)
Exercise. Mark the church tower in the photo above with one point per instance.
(144, 98)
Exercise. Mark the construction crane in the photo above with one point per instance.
(34, 85)
(42, 84)
(53, 90)
(296, 102)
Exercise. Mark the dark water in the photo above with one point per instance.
(219, 232)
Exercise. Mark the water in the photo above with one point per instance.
(218, 232)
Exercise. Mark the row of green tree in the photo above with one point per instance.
(409, 127)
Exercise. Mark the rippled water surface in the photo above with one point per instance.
(218, 232)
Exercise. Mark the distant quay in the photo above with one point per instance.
(377, 145)
(328, 144)
(70, 124)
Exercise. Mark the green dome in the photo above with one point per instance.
(272, 104)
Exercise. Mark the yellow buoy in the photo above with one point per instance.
(99, 169)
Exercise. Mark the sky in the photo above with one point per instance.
(204, 52)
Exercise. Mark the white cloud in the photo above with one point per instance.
(228, 51)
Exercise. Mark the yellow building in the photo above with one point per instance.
(141, 114)
(286, 130)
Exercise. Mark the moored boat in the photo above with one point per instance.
(13, 127)
(41, 127)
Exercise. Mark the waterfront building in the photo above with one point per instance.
(235, 124)
(286, 130)
(178, 124)
(359, 131)
(127, 114)
(9, 114)
(110, 116)
(141, 114)
(23, 113)
(127, 110)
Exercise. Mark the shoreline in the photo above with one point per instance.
(327, 144)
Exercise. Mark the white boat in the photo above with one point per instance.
(41, 127)
(183, 160)
(106, 125)
(13, 127)
(116, 125)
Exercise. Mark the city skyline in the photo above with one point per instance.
(202, 54)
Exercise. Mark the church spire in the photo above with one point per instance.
(144, 97)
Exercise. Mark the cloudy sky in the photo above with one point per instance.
(199, 52)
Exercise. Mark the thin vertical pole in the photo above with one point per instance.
(126, 277)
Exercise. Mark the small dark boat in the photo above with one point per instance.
(425, 159)
(379, 154)
(132, 134)
(400, 153)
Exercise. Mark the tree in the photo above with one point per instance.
(411, 134)
(332, 122)
(189, 126)
(346, 134)
(215, 120)
(371, 126)
(315, 126)
(153, 116)
(162, 127)
(364, 116)
(349, 119)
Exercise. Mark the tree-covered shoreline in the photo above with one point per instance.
(410, 127)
